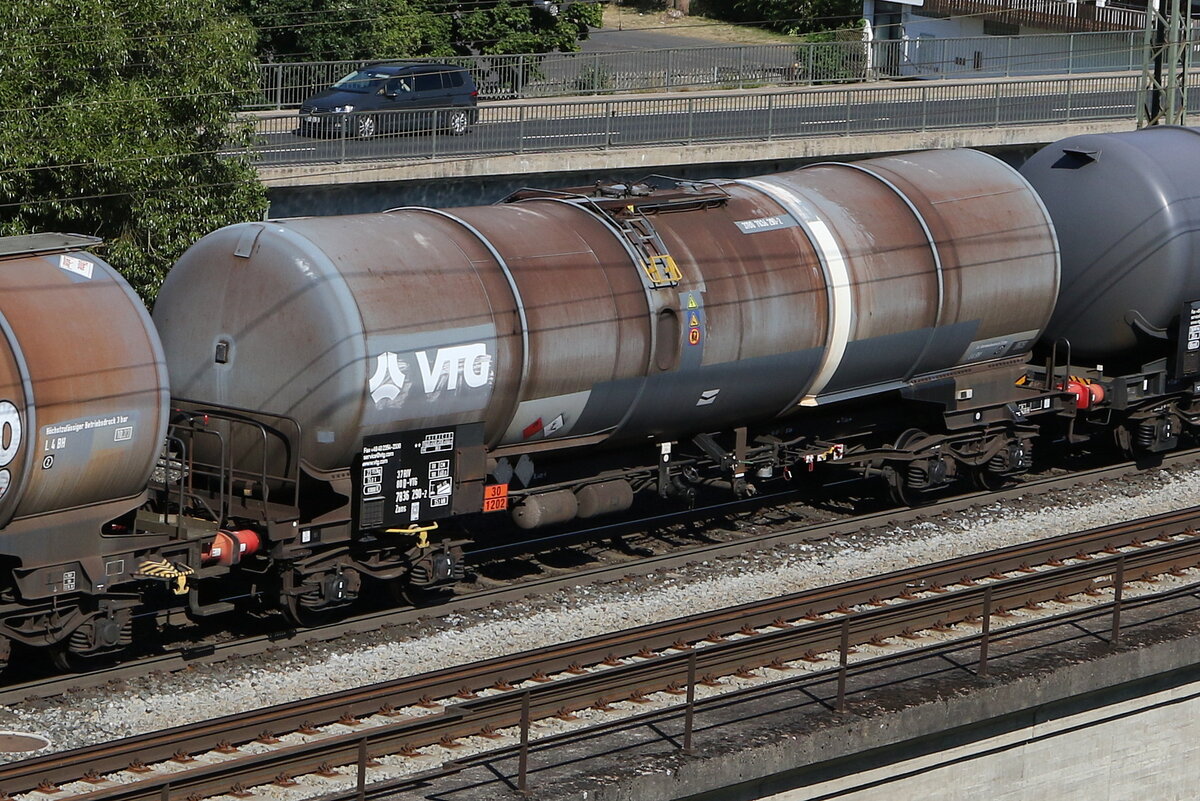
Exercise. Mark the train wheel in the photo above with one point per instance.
(405, 593)
(896, 472)
(64, 660)
(304, 616)
(988, 481)
(68, 661)
(898, 493)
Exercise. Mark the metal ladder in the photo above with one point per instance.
(657, 264)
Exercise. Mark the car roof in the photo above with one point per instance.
(395, 68)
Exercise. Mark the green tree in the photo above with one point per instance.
(119, 121)
(332, 30)
(789, 16)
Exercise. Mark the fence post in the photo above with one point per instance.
(924, 107)
(741, 68)
(362, 769)
(770, 116)
(996, 92)
(668, 76)
(521, 128)
(1008, 59)
(986, 634)
(521, 77)
(809, 48)
(843, 660)
(1118, 587)
(691, 704)
(523, 760)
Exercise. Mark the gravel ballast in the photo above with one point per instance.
(154, 702)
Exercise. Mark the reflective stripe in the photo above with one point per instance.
(937, 262)
(837, 281)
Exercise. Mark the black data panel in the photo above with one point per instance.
(1188, 358)
(410, 476)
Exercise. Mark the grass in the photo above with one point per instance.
(628, 18)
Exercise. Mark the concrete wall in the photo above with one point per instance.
(1141, 748)
(319, 191)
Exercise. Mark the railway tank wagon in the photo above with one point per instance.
(370, 378)
(1127, 326)
(83, 411)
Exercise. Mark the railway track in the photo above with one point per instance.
(820, 625)
(207, 653)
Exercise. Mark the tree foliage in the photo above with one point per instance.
(332, 30)
(794, 17)
(119, 124)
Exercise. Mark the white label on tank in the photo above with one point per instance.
(76, 265)
(764, 224)
(10, 432)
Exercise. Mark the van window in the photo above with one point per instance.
(428, 82)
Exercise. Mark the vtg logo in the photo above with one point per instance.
(470, 365)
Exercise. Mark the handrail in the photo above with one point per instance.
(1115, 44)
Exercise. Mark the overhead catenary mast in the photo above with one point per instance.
(1167, 56)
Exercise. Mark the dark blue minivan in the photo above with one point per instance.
(393, 97)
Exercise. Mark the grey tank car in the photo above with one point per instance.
(1127, 213)
(556, 352)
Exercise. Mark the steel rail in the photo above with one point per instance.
(210, 653)
(807, 680)
(789, 642)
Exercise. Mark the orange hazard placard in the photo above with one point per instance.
(495, 497)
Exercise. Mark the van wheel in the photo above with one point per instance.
(365, 127)
(458, 122)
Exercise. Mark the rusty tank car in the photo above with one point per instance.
(83, 412)
(350, 387)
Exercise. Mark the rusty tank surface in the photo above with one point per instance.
(555, 319)
(538, 318)
(83, 384)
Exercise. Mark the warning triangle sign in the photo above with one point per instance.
(692, 304)
(695, 319)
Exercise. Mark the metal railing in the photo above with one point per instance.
(602, 124)
(744, 66)
(1044, 13)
